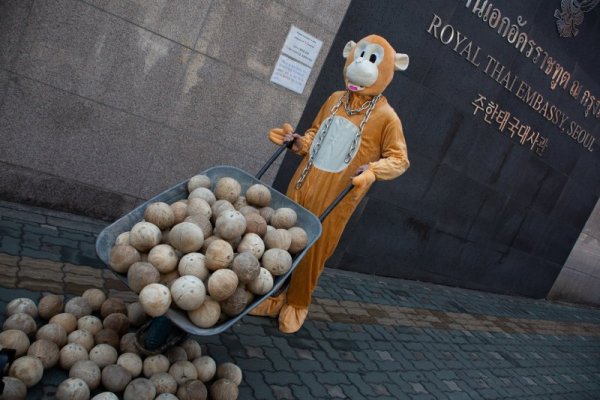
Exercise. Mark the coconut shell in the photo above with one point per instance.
(223, 389)
(278, 239)
(219, 207)
(206, 367)
(240, 202)
(255, 223)
(284, 218)
(123, 238)
(155, 364)
(22, 305)
(247, 210)
(144, 236)
(227, 189)
(70, 354)
(230, 224)
(113, 305)
(164, 383)
(103, 354)
(95, 298)
(46, 351)
(27, 369)
(202, 222)
(142, 274)
(197, 181)
(135, 314)
(78, 306)
(131, 362)
(73, 389)
(14, 389)
(155, 299)
(122, 256)
(219, 254)
(160, 214)
(221, 284)
(252, 243)
(230, 371)
(192, 390)
(203, 193)
(179, 209)
(115, 378)
(186, 237)
(83, 338)
(192, 349)
(163, 257)
(21, 321)
(198, 206)
(67, 320)
(266, 213)
(90, 323)
(176, 353)
(262, 284)
(140, 389)
(128, 343)
(168, 279)
(207, 314)
(236, 303)
(50, 305)
(299, 239)
(52, 332)
(87, 371)
(117, 322)
(258, 195)
(277, 261)
(188, 292)
(107, 396)
(14, 339)
(246, 266)
(193, 264)
(183, 371)
(109, 337)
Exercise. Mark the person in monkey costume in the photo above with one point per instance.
(356, 137)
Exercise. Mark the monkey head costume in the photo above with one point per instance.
(356, 137)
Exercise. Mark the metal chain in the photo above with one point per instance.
(314, 150)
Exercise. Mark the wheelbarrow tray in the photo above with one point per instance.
(308, 221)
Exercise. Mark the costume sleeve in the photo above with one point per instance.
(394, 161)
(309, 135)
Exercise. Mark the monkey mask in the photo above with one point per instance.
(370, 65)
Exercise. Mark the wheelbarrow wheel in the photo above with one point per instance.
(157, 335)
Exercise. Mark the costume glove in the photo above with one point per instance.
(276, 135)
(365, 179)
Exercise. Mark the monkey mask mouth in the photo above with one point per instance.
(370, 65)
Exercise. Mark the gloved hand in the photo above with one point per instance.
(364, 179)
(277, 135)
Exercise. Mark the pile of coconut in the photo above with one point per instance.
(210, 254)
(89, 337)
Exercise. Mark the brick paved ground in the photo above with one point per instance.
(366, 338)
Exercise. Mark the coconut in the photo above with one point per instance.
(21, 321)
(113, 305)
(142, 274)
(220, 206)
(258, 195)
(240, 202)
(70, 354)
(136, 314)
(236, 303)
(183, 371)
(253, 243)
(192, 349)
(95, 298)
(22, 305)
(140, 389)
(219, 254)
(169, 278)
(54, 333)
(14, 339)
(164, 383)
(228, 189)
(27, 369)
(155, 299)
(128, 343)
(132, 363)
(207, 314)
(67, 320)
(224, 389)
(247, 210)
(155, 364)
(122, 256)
(179, 209)
(284, 218)
(277, 261)
(202, 222)
(203, 193)
(160, 214)
(103, 354)
(50, 305)
(222, 283)
(206, 367)
(83, 338)
(198, 206)
(230, 371)
(108, 337)
(255, 223)
(278, 239)
(117, 322)
(115, 378)
(73, 389)
(186, 237)
(176, 353)
(262, 284)
(193, 264)
(188, 292)
(123, 238)
(193, 389)
(90, 323)
(87, 371)
(46, 351)
(78, 306)
(14, 389)
(166, 396)
(266, 213)
(144, 236)
(246, 266)
(163, 257)
(230, 224)
(105, 396)
(197, 181)
(299, 239)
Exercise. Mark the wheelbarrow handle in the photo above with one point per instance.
(271, 160)
(336, 201)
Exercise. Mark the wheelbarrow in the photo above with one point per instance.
(166, 330)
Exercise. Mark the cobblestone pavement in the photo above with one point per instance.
(366, 337)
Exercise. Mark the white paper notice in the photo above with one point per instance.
(302, 46)
(290, 74)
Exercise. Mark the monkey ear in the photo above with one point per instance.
(400, 62)
(348, 48)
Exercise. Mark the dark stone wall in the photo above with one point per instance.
(477, 209)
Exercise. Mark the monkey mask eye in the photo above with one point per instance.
(371, 52)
